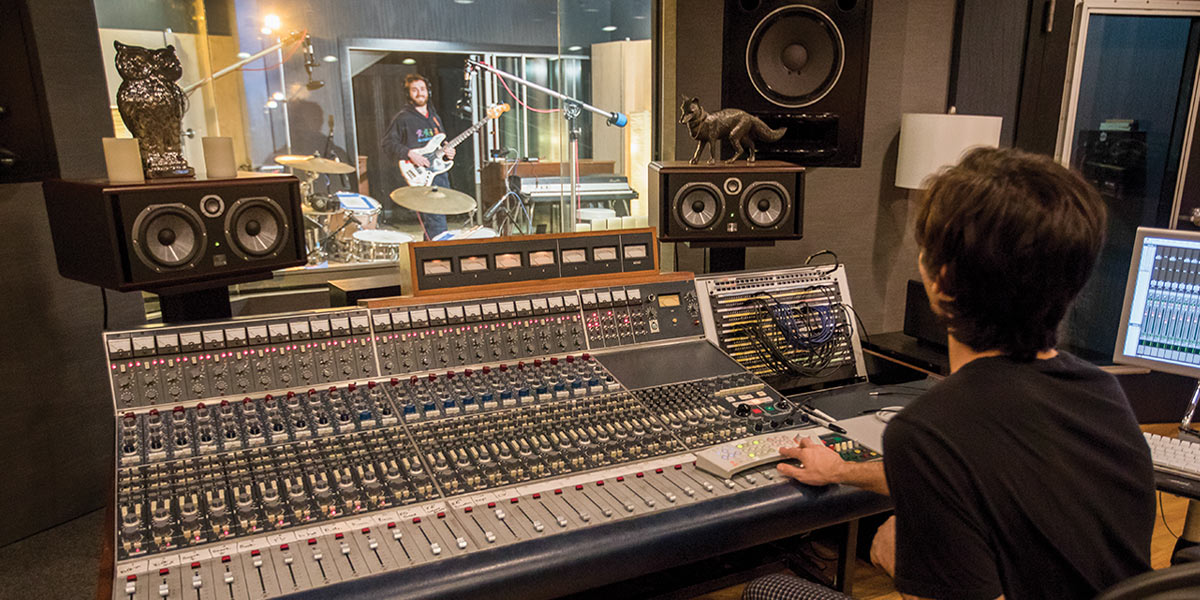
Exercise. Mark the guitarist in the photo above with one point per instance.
(408, 132)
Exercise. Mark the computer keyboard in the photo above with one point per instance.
(1174, 455)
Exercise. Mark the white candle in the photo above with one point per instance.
(123, 160)
(218, 157)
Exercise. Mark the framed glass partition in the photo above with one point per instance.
(325, 78)
(1130, 113)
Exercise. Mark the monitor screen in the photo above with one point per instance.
(1160, 317)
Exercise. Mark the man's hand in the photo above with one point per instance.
(883, 547)
(449, 153)
(415, 157)
(819, 465)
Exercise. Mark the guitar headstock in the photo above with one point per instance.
(494, 111)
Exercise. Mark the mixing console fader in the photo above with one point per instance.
(196, 363)
(269, 456)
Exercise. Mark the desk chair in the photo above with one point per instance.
(1179, 582)
(789, 587)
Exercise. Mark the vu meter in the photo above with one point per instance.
(544, 258)
(511, 261)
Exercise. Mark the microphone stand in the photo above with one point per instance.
(572, 109)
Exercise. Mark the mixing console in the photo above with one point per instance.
(264, 457)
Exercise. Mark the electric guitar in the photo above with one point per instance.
(435, 151)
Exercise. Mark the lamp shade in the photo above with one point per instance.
(929, 142)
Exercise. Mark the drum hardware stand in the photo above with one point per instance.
(321, 245)
(572, 108)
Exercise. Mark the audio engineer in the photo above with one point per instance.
(1024, 473)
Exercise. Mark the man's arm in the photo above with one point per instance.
(820, 465)
(395, 141)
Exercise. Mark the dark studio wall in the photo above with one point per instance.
(56, 423)
(857, 213)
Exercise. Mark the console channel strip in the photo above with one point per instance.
(265, 457)
(792, 327)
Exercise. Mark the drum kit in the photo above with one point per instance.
(344, 227)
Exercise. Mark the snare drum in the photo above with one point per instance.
(365, 211)
(379, 244)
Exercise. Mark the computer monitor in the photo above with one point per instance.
(1160, 317)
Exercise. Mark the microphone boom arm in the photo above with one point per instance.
(612, 118)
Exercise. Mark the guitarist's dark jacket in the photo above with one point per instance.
(410, 129)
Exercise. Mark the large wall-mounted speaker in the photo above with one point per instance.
(803, 66)
(164, 234)
(721, 203)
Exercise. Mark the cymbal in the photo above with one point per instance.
(433, 200)
(315, 164)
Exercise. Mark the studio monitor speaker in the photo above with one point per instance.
(721, 203)
(164, 234)
(800, 65)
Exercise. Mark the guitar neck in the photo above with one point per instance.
(458, 139)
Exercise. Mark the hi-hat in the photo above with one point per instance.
(314, 164)
(433, 200)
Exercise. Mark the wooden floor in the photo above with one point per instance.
(871, 583)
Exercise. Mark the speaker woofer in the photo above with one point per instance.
(795, 56)
(698, 204)
(256, 228)
(169, 237)
(765, 204)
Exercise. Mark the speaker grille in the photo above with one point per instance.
(765, 204)
(698, 204)
(795, 56)
(256, 228)
(169, 237)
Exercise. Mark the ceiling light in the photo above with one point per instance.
(464, 1)
(409, 61)
(278, 96)
(272, 104)
(609, 28)
(243, 55)
(574, 48)
(329, 58)
(272, 22)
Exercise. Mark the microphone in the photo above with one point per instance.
(310, 62)
(464, 103)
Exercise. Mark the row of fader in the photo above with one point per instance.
(305, 558)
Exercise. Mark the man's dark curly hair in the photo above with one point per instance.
(409, 80)
(1010, 238)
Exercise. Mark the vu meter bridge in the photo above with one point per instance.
(387, 450)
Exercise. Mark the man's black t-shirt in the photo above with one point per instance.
(1029, 479)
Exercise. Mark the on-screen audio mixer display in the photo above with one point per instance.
(1164, 319)
(262, 457)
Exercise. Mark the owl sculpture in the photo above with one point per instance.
(152, 106)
